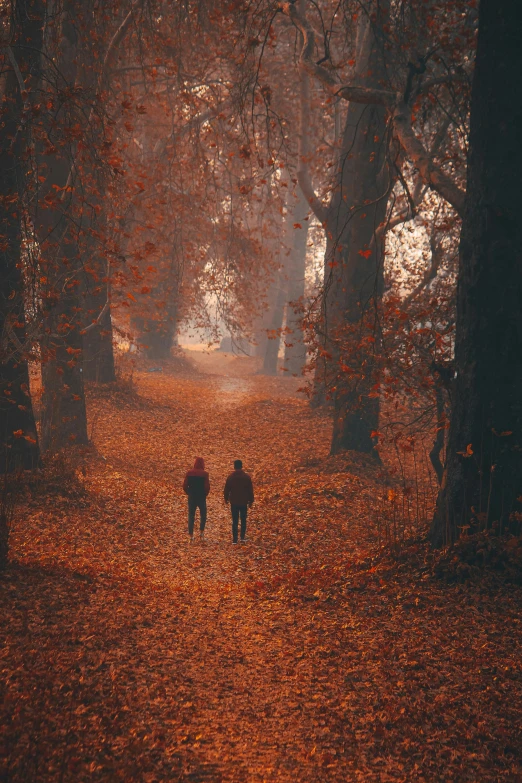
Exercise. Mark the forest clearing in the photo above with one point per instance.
(304, 655)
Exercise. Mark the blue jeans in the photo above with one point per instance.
(239, 511)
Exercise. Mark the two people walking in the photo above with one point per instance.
(238, 491)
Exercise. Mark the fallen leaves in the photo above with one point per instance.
(305, 655)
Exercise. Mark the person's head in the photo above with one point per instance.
(238, 464)
(199, 464)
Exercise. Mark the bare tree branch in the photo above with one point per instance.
(433, 176)
(114, 43)
(98, 320)
(421, 158)
(448, 78)
(348, 92)
(303, 151)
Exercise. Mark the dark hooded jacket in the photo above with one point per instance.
(197, 484)
(238, 489)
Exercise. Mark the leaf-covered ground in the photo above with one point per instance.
(129, 655)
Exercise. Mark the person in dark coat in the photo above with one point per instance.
(197, 487)
(239, 492)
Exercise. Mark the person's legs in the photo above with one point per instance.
(202, 514)
(235, 521)
(192, 505)
(243, 512)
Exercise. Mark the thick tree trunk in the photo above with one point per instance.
(354, 263)
(438, 443)
(18, 439)
(98, 353)
(64, 415)
(98, 349)
(278, 297)
(155, 338)
(295, 348)
(483, 473)
(64, 418)
(156, 327)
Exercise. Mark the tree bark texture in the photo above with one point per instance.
(97, 343)
(98, 353)
(278, 294)
(155, 338)
(273, 342)
(295, 348)
(483, 474)
(156, 331)
(64, 416)
(353, 261)
(18, 439)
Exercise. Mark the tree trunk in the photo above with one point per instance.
(273, 342)
(98, 353)
(156, 331)
(295, 349)
(354, 263)
(18, 439)
(260, 337)
(64, 417)
(278, 296)
(98, 350)
(155, 338)
(483, 473)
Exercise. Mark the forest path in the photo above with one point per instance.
(233, 657)
(130, 655)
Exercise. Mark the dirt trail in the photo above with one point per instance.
(134, 656)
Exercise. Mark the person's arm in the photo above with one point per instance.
(251, 492)
(227, 490)
(207, 484)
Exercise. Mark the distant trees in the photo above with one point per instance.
(191, 198)
(125, 186)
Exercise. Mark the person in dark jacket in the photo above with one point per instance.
(239, 492)
(197, 487)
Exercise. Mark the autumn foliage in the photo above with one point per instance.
(285, 232)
